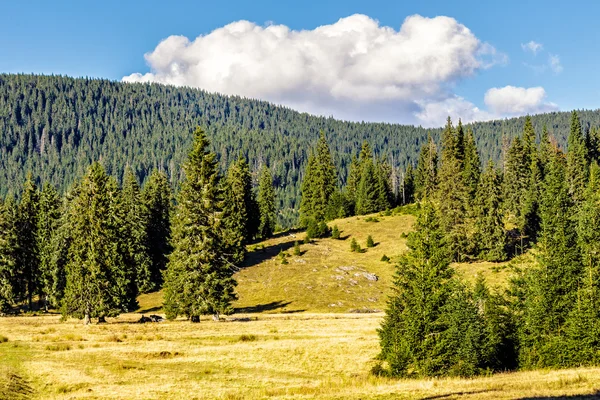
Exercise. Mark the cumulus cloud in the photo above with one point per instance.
(511, 100)
(532, 47)
(353, 69)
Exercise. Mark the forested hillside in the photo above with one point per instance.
(55, 127)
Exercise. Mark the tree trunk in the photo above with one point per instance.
(86, 318)
(216, 316)
(195, 318)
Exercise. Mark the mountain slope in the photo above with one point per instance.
(56, 126)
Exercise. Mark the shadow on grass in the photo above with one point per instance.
(455, 394)
(272, 306)
(595, 395)
(151, 309)
(259, 255)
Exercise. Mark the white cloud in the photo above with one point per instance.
(352, 69)
(554, 63)
(532, 47)
(511, 100)
(435, 113)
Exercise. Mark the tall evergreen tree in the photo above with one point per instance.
(48, 222)
(471, 164)
(8, 257)
(408, 186)
(489, 236)
(199, 278)
(28, 261)
(266, 203)
(551, 288)
(157, 200)
(410, 331)
(427, 170)
(577, 160)
(516, 178)
(134, 240)
(367, 197)
(96, 276)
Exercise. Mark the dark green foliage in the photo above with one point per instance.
(335, 233)
(316, 230)
(266, 203)
(407, 194)
(199, 277)
(297, 251)
(471, 165)
(370, 242)
(48, 223)
(133, 237)
(157, 200)
(319, 183)
(354, 246)
(28, 262)
(426, 173)
(490, 237)
(96, 278)
(577, 160)
(8, 249)
(385, 258)
(368, 195)
(283, 256)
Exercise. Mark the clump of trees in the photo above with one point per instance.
(93, 251)
(543, 197)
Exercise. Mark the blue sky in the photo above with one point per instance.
(109, 39)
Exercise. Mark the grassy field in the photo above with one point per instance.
(246, 357)
(305, 329)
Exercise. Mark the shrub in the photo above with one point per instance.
(3, 339)
(370, 242)
(58, 347)
(315, 230)
(385, 258)
(297, 251)
(247, 338)
(371, 219)
(355, 247)
(335, 233)
(283, 257)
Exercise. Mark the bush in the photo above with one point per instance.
(335, 233)
(370, 242)
(371, 219)
(355, 247)
(385, 258)
(315, 230)
(3, 339)
(297, 251)
(283, 257)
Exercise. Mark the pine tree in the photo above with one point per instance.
(461, 142)
(266, 203)
(410, 331)
(516, 178)
(489, 236)
(199, 278)
(157, 199)
(582, 328)
(577, 160)
(96, 276)
(408, 186)
(28, 262)
(471, 164)
(8, 257)
(133, 237)
(367, 198)
(236, 216)
(352, 183)
(319, 183)
(48, 222)
(551, 288)
(427, 170)
(382, 186)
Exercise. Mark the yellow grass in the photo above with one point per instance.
(278, 356)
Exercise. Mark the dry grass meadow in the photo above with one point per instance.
(305, 329)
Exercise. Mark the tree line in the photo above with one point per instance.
(91, 252)
(55, 127)
(541, 197)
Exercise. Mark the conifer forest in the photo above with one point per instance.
(111, 191)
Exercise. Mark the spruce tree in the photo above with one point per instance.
(28, 262)
(352, 183)
(199, 277)
(48, 222)
(471, 164)
(96, 276)
(427, 170)
(551, 288)
(367, 197)
(517, 172)
(411, 328)
(408, 185)
(489, 228)
(266, 203)
(157, 200)
(577, 160)
(382, 186)
(8, 257)
(134, 241)
(236, 216)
